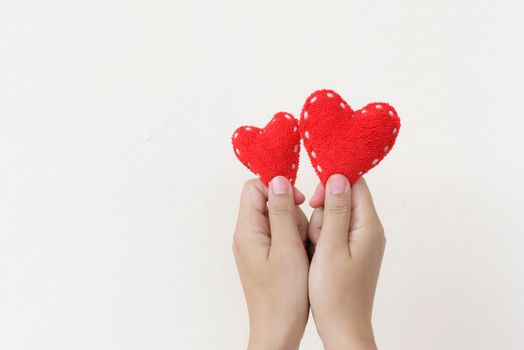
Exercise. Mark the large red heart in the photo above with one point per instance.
(271, 151)
(340, 140)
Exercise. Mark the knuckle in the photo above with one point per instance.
(290, 247)
(337, 207)
(376, 228)
(380, 236)
(380, 227)
(332, 248)
(288, 252)
(248, 185)
(314, 234)
(378, 232)
(234, 246)
(280, 209)
(237, 245)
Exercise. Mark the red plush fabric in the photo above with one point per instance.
(340, 140)
(271, 151)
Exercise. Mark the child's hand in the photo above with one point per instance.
(272, 263)
(349, 244)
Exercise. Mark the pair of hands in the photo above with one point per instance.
(287, 264)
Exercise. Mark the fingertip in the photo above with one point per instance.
(253, 200)
(337, 183)
(255, 185)
(317, 200)
(280, 185)
(299, 196)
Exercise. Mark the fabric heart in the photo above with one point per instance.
(271, 151)
(340, 140)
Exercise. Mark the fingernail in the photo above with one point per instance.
(337, 184)
(280, 185)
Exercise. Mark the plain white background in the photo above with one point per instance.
(119, 187)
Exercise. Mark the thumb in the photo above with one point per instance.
(282, 212)
(337, 213)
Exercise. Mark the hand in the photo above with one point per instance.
(349, 243)
(272, 262)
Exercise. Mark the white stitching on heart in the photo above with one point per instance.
(375, 161)
(319, 168)
(313, 99)
(329, 94)
(394, 131)
(305, 115)
(313, 155)
(306, 134)
(391, 114)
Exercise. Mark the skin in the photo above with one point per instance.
(346, 244)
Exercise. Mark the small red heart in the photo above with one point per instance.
(271, 151)
(340, 140)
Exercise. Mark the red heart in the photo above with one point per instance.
(271, 151)
(340, 140)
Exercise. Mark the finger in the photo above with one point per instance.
(251, 203)
(337, 212)
(317, 200)
(299, 196)
(362, 202)
(252, 236)
(315, 225)
(252, 208)
(302, 224)
(282, 213)
(367, 234)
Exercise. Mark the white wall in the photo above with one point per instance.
(119, 188)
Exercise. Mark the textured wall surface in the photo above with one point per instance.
(119, 188)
